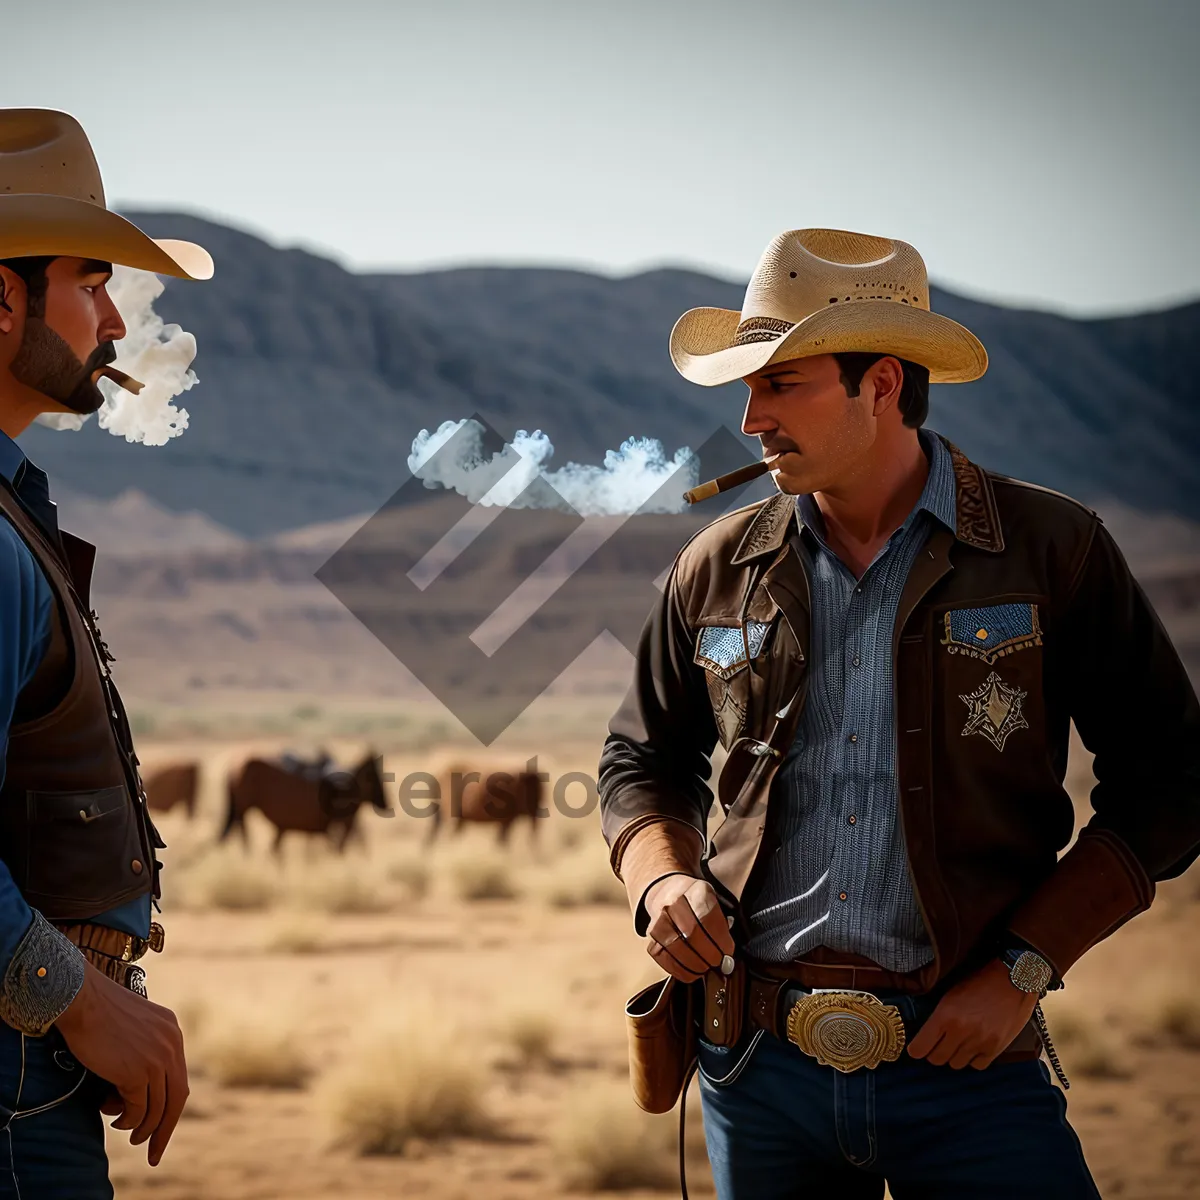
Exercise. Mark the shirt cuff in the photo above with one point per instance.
(43, 977)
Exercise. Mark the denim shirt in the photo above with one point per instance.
(838, 875)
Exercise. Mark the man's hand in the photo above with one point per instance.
(136, 1045)
(687, 934)
(975, 1020)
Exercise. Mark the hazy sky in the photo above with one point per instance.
(1043, 152)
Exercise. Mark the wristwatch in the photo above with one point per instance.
(1028, 970)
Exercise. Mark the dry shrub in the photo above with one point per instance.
(583, 879)
(1177, 1018)
(228, 881)
(255, 1054)
(607, 1144)
(532, 1033)
(1085, 1047)
(483, 876)
(412, 875)
(410, 1086)
(347, 892)
(297, 935)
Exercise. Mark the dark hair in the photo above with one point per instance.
(32, 270)
(914, 392)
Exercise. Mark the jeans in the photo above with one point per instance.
(779, 1125)
(51, 1130)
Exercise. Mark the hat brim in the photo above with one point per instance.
(59, 225)
(703, 349)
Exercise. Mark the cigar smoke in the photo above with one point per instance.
(624, 483)
(157, 354)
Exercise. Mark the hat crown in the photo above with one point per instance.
(47, 153)
(806, 270)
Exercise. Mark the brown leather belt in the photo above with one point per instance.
(113, 952)
(822, 1025)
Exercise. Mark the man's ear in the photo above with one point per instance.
(888, 377)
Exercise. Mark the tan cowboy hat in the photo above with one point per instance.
(52, 201)
(827, 291)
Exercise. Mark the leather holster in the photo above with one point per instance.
(660, 1022)
(724, 1005)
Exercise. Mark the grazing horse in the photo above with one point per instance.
(176, 784)
(500, 798)
(312, 798)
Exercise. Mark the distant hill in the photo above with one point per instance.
(314, 380)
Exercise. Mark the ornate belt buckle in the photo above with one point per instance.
(846, 1030)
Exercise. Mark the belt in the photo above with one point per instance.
(847, 1029)
(113, 952)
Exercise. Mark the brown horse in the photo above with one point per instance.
(499, 797)
(176, 784)
(301, 797)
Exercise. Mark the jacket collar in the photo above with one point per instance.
(977, 516)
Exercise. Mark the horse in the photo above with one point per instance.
(312, 798)
(176, 784)
(500, 797)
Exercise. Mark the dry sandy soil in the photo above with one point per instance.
(292, 982)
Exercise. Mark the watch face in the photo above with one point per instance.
(1031, 972)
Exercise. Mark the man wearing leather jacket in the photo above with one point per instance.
(891, 650)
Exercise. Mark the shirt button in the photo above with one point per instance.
(841, 895)
(137, 866)
(852, 819)
(854, 737)
(855, 660)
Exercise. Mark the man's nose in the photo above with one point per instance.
(758, 418)
(111, 327)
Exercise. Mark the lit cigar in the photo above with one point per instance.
(122, 380)
(725, 483)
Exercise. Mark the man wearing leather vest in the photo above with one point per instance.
(78, 867)
(891, 651)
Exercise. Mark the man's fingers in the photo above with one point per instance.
(703, 902)
(927, 1037)
(669, 964)
(136, 1101)
(668, 935)
(156, 1101)
(113, 1105)
(177, 1094)
(962, 1057)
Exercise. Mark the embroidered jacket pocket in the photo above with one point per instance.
(991, 631)
(721, 651)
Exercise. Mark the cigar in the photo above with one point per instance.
(725, 483)
(122, 380)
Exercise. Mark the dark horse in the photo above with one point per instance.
(501, 798)
(310, 798)
(176, 784)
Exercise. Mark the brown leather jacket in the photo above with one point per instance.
(984, 814)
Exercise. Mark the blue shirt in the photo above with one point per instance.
(838, 874)
(26, 604)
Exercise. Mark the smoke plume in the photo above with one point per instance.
(158, 354)
(625, 482)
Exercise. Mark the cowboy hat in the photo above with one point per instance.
(827, 291)
(52, 201)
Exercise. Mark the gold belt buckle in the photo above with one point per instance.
(846, 1030)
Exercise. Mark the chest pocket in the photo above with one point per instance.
(721, 651)
(991, 631)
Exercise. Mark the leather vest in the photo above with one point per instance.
(74, 829)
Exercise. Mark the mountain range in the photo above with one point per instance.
(315, 380)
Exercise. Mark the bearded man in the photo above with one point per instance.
(78, 871)
(891, 650)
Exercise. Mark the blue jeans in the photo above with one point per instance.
(51, 1130)
(779, 1125)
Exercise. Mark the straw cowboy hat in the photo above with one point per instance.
(52, 201)
(827, 291)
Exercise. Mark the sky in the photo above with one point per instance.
(1036, 152)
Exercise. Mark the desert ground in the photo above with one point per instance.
(444, 1019)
